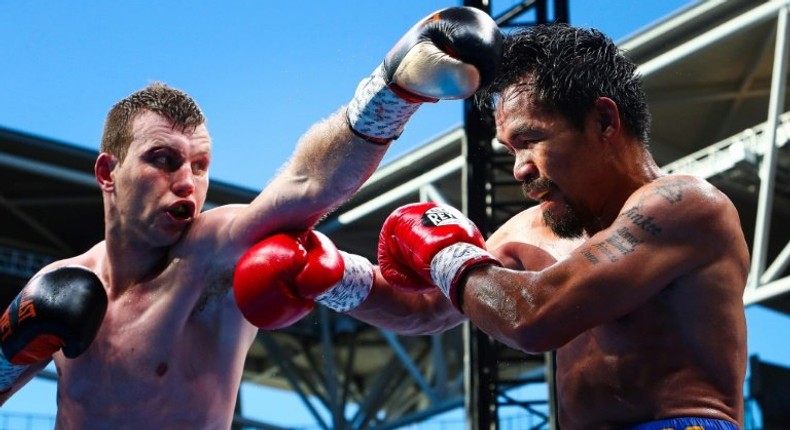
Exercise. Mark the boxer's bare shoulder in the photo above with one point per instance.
(90, 259)
(528, 227)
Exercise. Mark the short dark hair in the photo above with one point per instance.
(174, 105)
(569, 69)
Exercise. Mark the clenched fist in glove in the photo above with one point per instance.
(59, 310)
(449, 54)
(426, 245)
(278, 281)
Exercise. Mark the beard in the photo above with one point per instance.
(569, 225)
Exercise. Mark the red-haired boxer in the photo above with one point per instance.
(170, 350)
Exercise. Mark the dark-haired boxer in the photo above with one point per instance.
(170, 349)
(646, 315)
(633, 276)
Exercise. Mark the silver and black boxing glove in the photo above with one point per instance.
(61, 309)
(449, 54)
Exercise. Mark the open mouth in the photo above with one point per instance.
(181, 211)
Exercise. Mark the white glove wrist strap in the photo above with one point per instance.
(448, 263)
(377, 112)
(353, 289)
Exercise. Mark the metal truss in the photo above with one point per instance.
(413, 379)
(758, 147)
(488, 182)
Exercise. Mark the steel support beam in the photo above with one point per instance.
(768, 165)
(750, 19)
(479, 193)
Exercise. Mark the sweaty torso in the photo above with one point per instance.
(655, 362)
(169, 352)
(663, 360)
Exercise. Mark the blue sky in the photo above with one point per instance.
(262, 71)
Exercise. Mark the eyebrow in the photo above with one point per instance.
(524, 129)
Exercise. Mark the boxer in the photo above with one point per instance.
(646, 314)
(170, 349)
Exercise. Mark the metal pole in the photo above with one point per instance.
(768, 167)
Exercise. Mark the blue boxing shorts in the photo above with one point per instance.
(685, 423)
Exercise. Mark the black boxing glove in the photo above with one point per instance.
(449, 54)
(61, 309)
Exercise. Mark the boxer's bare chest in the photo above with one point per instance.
(149, 333)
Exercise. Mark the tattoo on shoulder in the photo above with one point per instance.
(671, 192)
(621, 242)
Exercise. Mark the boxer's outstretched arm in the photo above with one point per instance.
(447, 55)
(329, 164)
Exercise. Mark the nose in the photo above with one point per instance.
(183, 181)
(523, 167)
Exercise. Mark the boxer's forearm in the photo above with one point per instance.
(27, 374)
(447, 55)
(329, 165)
(406, 313)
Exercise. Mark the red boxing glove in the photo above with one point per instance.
(277, 281)
(425, 245)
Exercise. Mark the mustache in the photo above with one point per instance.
(536, 184)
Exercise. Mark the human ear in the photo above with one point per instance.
(103, 168)
(608, 116)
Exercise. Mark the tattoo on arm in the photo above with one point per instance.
(646, 223)
(621, 242)
(590, 256)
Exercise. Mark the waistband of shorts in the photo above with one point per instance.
(685, 423)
